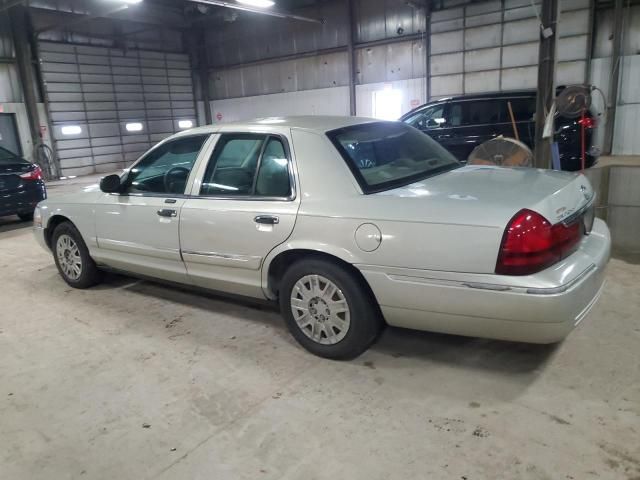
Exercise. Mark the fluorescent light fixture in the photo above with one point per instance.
(133, 127)
(184, 124)
(257, 3)
(129, 2)
(71, 130)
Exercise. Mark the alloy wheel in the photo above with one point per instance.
(69, 257)
(320, 309)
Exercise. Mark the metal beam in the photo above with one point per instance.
(140, 14)
(203, 74)
(351, 21)
(8, 5)
(262, 11)
(20, 27)
(282, 58)
(546, 78)
(427, 49)
(79, 20)
(614, 77)
(322, 51)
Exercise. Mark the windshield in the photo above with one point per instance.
(385, 155)
(9, 157)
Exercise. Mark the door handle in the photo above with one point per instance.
(167, 212)
(267, 219)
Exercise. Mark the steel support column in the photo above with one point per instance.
(427, 49)
(351, 19)
(20, 28)
(546, 79)
(203, 74)
(614, 78)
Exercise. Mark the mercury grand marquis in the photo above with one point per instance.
(350, 224)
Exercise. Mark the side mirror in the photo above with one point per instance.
(110, 183)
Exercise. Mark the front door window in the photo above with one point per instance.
(166, 168)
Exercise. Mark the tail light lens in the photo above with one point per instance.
(35, 174)
(530, 243)
(587, 122)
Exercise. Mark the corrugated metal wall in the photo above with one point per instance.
(475, 47)
(492, 46)
(100, 90)
(253, 40)
(626, 140)
(9, 79)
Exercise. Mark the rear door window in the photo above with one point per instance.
(477, 112)
(248, 165)
(523, 108)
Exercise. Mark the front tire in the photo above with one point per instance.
(75, 265)
(328, 310)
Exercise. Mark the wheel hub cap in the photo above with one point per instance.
(320, 309)
(69, 257)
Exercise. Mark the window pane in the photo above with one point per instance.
(273, 176)
(523, 108)
(477, 112)
(232, 167)
(166, 169)
(389, 154)
(431, 117)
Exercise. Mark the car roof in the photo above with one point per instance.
(316, 123)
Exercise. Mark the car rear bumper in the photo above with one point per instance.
(23, 200)
(540, 308)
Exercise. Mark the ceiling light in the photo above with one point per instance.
(184, 124)
(71, 130)
(133, 127)
(130, 2)
(257, 3)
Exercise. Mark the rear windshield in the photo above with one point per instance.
(385, 155)
(9, 157)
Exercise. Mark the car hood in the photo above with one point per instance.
(490, 196)
(85, 195)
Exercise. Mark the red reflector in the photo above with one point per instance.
(35, 174)
(530, 243)
(587, 122)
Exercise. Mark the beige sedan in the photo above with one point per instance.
(350, 224)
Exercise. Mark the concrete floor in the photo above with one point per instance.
(136, 380)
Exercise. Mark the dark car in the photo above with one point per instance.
(462, 123)
(21, 186)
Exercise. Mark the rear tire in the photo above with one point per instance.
(328, 310)
(26, 216)
(75, 265)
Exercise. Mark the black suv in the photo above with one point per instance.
(462, 123)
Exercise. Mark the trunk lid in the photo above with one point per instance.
(10, 171)
(491, 196)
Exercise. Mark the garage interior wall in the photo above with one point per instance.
(11, 98)
(95, 92)
(493, 46)
(478, 47)
(626, 141)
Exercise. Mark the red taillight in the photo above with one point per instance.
(530, 243)
(587, 122)
(35, 174)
